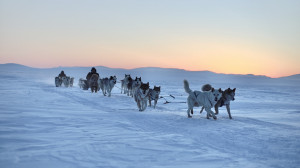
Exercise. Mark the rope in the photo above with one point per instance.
(118, 87)
(161, 97)
(168, 101)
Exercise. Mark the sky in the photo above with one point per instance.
(260, 37)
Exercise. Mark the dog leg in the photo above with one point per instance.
(228, 110)
(217, 108)
(188, 113)
(192, 111)
(144, 104)
(121, 86)
(149, 101)
(110, 91)
(202, 109)
(210, 112)
(139, 105)
(155, 102)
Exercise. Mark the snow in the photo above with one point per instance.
(45, 126)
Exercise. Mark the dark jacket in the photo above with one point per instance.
(89, 75)
(62, 74)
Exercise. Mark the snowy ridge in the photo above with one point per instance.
(45, 126)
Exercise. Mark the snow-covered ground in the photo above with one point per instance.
(45, 126)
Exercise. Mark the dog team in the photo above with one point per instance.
(62, 78)
(140, 91)
(207, 98)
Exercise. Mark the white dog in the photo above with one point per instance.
(136, 84)
(207, 99)
(66, 81)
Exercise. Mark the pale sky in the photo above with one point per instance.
(260, 37)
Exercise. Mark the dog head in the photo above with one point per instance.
(137, 81)
(217, 94)
(113, 79)
(144, 88)
(229, 94)
(127, 76)
(156, 88)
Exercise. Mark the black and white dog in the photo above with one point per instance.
(82, 83)
(207, 99)
(71, 81)
(58, 81)
(135, 85)
(66, 81)
(141, 96)
(227, 96)
(154, 95)
(107, 84)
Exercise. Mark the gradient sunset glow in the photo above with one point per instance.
(258, 37)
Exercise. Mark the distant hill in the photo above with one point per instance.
(292, 77)
(149, 74)
(12, 66)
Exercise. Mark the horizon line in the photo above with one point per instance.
(147, 67)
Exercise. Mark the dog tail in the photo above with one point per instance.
(206, 87)
(187, 87)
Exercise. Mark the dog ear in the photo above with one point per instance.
(220, 90)
(148, 83)
(234, 89)
(213, 89)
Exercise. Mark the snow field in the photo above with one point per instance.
(45, 126)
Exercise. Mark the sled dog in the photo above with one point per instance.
(135, 85)
(227, 96)
(129, 86)
(93, 83)
(66, 81)
(107, 84)
(82, 83)
(71, 81)
(154, 95)
(141, 96)
(58, 81)
(124, 83)
(197, 98)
